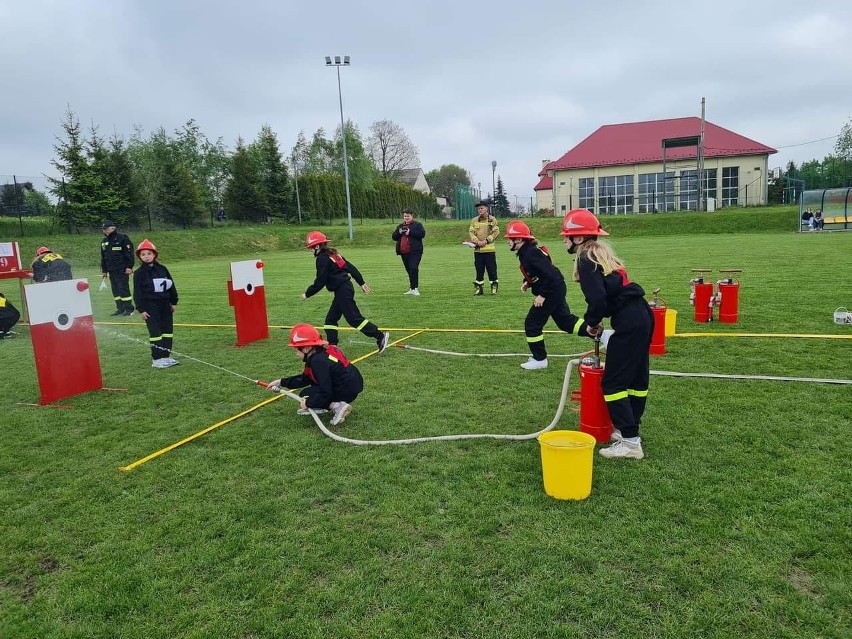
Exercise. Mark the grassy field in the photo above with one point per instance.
(735, 524)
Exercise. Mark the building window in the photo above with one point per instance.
(587, 194)
(651, 189)
(730, 185)
(688, 190)
(710, 184)
(615, 194)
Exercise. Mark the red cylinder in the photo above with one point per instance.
(729, 306)
(658, 337)
(703, 297)
(594, 415)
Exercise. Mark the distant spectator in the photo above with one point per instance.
(818, 221)
(409, 246)
(220, 216)
(50, 267)
(9, 316)
(808, 217)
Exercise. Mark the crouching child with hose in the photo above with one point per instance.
(330, 381)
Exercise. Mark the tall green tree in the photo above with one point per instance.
(243, 197)
(207, 160)
(443, 181)
(361, 170)
(501, 202)
(183, 201)
(843, 146)
(274, 180)
(78, 185)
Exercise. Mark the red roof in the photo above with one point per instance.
(544, 184)
(641, 143)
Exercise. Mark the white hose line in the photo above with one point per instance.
(770, 378)
(566, 381)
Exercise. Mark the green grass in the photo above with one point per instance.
(735, 524)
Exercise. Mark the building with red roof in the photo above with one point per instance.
(643, 167)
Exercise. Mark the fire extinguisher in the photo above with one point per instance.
(594, 415)
(728, 297)
(658, 337)
(701, 296)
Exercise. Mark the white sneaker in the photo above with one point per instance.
(340, 413)
(172, 361)
(318, 411)
(160, 363)
(533, 364)
(409, 292)
(382, 342)
(414, 292)
(605, 337)
(623, 448)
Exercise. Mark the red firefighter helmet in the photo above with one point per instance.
(147, 245)
(581, 222)
(41, 250)
(315, 238)
(305, 335)
(517, 230)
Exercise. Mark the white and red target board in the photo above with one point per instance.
(63, 334)
(246, 294)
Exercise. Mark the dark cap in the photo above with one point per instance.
(484, 203)
(107, 224)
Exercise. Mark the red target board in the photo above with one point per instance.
(63, 334)
(246, 294)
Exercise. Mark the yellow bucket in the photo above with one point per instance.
(671, 322)
(566, 463)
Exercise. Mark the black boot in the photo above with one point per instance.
(477, 288)
(494, 286)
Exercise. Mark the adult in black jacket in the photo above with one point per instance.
(50, 267)
(117, 262)
(156, 298)
(333, 274)
(9, 316)
(409, 246)
(548, 285)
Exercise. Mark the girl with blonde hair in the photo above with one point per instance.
(610, 293)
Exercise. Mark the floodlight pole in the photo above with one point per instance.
(337, 63)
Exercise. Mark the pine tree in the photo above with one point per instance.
(243, 196)
(276, 189)
(183, 202)
(501, 202)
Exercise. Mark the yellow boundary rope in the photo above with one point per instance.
(186, 440)
(516, 331)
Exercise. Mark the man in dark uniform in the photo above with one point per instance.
(50, 267)
(117, 261)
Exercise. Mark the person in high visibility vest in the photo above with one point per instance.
(483, 231)
(610, 293)
(548, 286)
(331, 381)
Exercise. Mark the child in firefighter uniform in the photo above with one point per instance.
(333, 273)
(9, 316)
(610, 293)
(50, 267)
(332, 382)
(155, 297)
(547, 284)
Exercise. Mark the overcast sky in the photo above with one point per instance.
(469, 81)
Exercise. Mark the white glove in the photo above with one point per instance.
(102, 287)
(274, 389)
